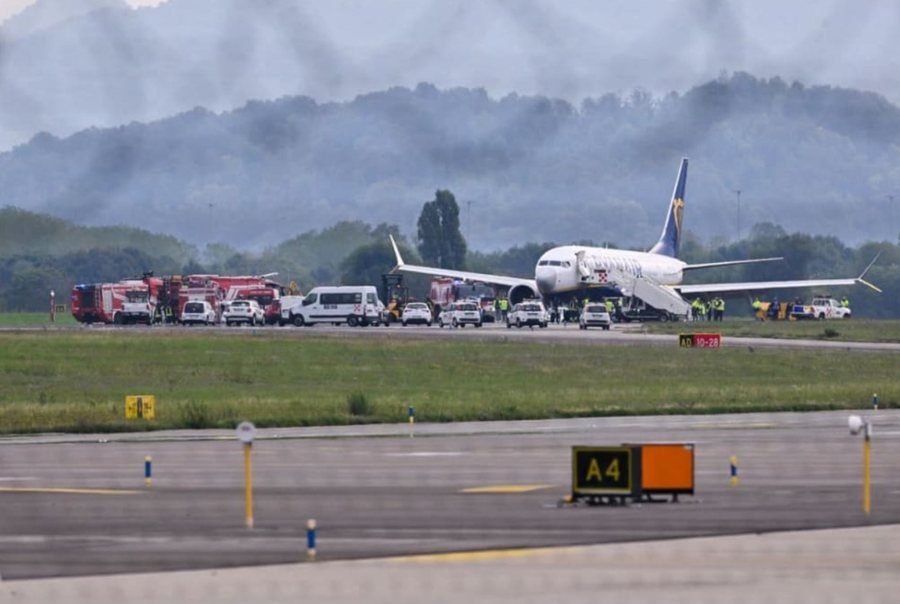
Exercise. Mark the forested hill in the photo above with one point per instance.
(813, 159)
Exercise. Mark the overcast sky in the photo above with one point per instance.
(584, 48)
(578, 48)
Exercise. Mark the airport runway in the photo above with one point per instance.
(628, 334)
(77, 505)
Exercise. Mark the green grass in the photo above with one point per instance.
(35, 319)
(851, 330)
(77, 382)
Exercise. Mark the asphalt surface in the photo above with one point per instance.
(628, 334)
(76, 506)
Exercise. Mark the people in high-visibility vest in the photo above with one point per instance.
(718, 308)
(845, 303)
(697, 309)
(757, 305)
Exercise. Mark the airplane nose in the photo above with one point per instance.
(546, 280)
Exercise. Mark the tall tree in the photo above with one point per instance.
(440, 241)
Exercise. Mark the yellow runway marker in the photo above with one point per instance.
(493, 554)
(67, 491)
(507, 488)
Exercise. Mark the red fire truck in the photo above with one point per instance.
(153, 299)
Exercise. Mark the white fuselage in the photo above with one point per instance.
(557, 271)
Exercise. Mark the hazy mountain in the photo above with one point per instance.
(45, 14)
(816, 160)
(113, 66)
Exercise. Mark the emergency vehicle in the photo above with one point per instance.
(153, 299)
(105, 302)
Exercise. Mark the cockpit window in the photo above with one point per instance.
(566, 264)
(543, 263)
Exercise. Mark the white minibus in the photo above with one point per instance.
(350, 304)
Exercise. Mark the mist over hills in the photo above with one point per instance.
(523, 168)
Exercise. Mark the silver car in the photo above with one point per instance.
(244, 311)
(594, 315)
(416, 312)
(198, 311)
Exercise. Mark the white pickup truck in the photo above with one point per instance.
(822, 308)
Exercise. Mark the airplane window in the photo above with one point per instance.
(567, 264)
(543, 263)
(555, 263)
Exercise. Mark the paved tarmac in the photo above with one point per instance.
(830, 566)
(378, 492)
(628, 334)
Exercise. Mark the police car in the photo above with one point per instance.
(528, 313)
(594, 315)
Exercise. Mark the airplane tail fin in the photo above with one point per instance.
(670, 240)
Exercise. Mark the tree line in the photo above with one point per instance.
(355, 253)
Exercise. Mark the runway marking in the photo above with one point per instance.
(68, 491)
(493, 554)
(734, 426)
(507, 488)
(426, 454)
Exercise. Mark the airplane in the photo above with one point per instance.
(654, 276)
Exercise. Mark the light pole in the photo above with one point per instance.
(896, 233)
(738, 193)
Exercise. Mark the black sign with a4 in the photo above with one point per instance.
(601, 470)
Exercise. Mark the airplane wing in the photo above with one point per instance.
(720, 288)
(461, 275)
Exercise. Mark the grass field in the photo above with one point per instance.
(35, 319)
(63, 381)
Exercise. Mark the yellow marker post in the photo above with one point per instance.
(858, 424)
(867, 471)
(248, 485)
(246, 431)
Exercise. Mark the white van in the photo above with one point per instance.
(350, 304)
(198, 311)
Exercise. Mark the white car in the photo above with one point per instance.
(243, 311)
(416, 312)
(460, 314)
(528, 314)
(594, 315)
(198, 311)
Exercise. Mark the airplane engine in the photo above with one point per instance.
(518, 293)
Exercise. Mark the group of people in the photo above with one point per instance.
(708, 310)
